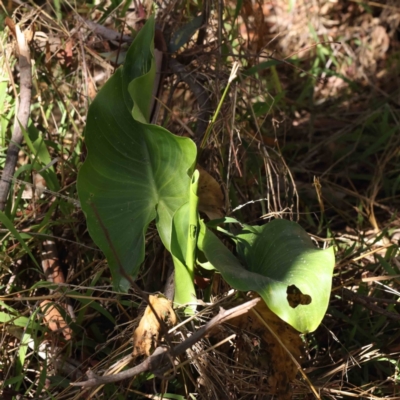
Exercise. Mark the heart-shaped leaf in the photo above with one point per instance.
(280, 262)
(134, 172)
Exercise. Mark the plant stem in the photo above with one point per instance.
(232, 76)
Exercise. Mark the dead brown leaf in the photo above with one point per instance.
(54, 319)
(263, 351)
(92, 91)
(146, 335)
(68, 52)
(11, 26)
(211, 198)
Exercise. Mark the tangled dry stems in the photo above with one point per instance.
(310, 135)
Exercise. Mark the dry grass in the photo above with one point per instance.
(321, 109)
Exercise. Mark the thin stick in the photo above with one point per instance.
(106, 33)
(232, 77)
(22, 118)
(367, 302)
(75, 202)
(161, 354)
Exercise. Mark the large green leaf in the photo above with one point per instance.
(134, 172)
(280, 262)
(184, 245)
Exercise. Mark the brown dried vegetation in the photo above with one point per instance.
(321, 109)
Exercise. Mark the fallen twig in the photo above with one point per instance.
(161, 355)
(367, 302)
(106, 33)
(22, 118)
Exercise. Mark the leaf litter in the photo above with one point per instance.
(148, 334)
(292, 32)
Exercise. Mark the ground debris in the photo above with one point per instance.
(147, 334)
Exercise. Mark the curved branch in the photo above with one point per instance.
(106, 33)
(160, 356)
(22, 118)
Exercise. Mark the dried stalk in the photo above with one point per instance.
(161, 355)
(22, 118)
